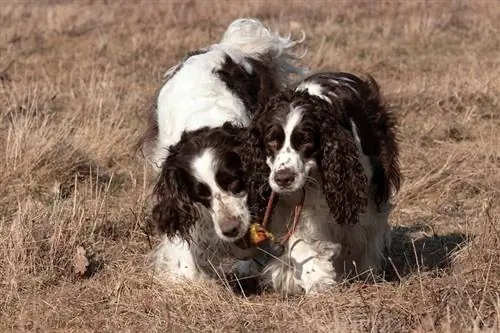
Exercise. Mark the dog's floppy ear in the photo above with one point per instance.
(173, 212)
(254, 161)
(344, 182)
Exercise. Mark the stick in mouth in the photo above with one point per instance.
(259, 237)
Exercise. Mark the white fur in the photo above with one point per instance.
(252, 37)
(173, 260)
(321, 252)
(225, 206)
(314, 89)
(194, 97)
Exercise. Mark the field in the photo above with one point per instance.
(76, 83)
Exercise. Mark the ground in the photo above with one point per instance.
(76, 81)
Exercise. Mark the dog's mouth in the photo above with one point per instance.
(230, 227)
(258, 239)
(289, 190)
(258, 236)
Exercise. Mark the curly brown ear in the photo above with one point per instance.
(387, 176)
(173, 212)
(254, 161)
(344, 182)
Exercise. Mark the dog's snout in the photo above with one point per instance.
(230, 227)
(284, 178)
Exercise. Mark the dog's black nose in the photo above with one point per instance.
(284, 178)
(233, 232)
(229, 226)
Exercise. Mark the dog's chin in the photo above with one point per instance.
(290, 190)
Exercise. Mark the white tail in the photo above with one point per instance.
(251, 37)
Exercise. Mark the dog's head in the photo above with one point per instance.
(208, 171)
(305, 137)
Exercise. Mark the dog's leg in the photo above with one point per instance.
(246, 268)
(313, 264)
(173, 260)
(369, 241)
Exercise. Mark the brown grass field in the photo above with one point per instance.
(75, 80)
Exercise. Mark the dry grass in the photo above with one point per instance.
(72, 107)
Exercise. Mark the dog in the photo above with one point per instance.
(334, 137)
(203, 196)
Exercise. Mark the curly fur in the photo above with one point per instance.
(344, 183)
(174, 212)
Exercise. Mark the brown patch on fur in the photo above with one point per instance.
(255, 88)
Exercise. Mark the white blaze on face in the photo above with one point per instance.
(288, 169)
(229, 212)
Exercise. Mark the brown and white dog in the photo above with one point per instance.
(334, 137)
(203, 194)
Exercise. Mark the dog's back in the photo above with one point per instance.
(219, 83)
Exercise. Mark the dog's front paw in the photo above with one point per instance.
(319, 287)
(318, 276)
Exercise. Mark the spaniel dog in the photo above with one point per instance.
(205, 195)
(334, 137)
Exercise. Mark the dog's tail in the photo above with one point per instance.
(252, 38)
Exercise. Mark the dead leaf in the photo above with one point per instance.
(427, 323)
(80, 261)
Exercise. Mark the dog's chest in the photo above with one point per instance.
(315, 221)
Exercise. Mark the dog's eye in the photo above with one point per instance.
(299, 139)
(304, 142)
(273, 145)
(235, 185)
(307, 149)
(232, 181)
(203, 191)
(274, 138)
